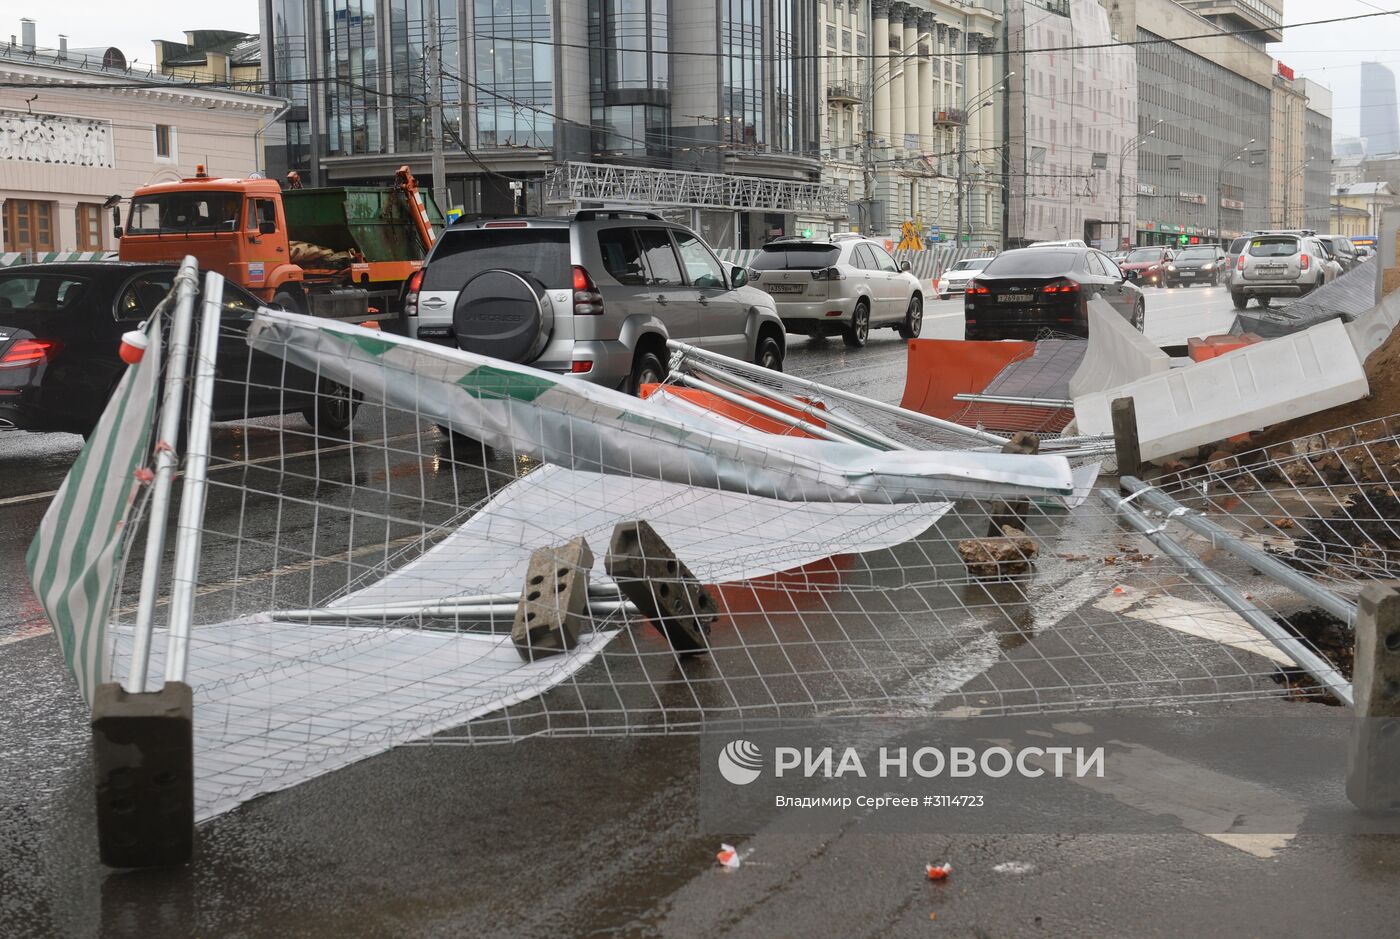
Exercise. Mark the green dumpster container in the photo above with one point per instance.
(374, 221)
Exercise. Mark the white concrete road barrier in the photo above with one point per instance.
(1117, 353)
(1244, 390)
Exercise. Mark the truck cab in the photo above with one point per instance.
(341, 252)
(237, 227)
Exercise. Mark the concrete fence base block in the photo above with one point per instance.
(143, 753)
(1013, 512)
(660, 585)
(1373, 757)
(553, 601)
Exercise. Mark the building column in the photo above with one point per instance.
(913, 99)
(896, 85)
(928, 100)
(879, 50)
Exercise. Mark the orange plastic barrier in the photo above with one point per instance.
(1212, 346)
(737, 413)
(940, 368)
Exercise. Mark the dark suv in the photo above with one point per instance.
(594, 296)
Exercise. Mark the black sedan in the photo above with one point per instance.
(1197, 264)
(60, 334)
(1028, 290)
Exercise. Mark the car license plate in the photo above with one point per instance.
(1015, 298)
(1188, 274)
(783, 288)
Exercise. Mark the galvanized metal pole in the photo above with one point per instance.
(1289, 644)
(167, 436)
(1270, 567)
(439, 167)
(913, 417)
(189, 528)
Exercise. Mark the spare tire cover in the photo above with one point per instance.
(503, 314)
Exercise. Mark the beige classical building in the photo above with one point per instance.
(66, 146)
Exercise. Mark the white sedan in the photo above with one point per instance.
(954, 281)
(848, 285)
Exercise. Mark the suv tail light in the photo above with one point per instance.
(829, 273)
(410, 297)
(1302, 261)
(1239, 264)
(29, 352)
(587, 300)
(977, 287)
(1063, 285)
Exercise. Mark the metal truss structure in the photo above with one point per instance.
(574, 183)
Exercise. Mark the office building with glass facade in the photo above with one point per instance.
(714, 86)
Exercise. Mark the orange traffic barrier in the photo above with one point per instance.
(1212, 346)
(940, 368)
(738, 413)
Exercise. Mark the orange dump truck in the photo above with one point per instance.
(339, 252)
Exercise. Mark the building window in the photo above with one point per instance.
(89, 219)
(165, 142)
(28, 225)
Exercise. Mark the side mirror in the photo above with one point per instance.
(117, 222)
(1130, 275)
(738, 276)
(267, 228)
(904, 265)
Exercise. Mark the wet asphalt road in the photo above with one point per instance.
(577, 837)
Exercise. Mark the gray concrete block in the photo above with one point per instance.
(1373, 753)
(553, 607)
(659, 584)
(143, 752)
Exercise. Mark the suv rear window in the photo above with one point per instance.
(1281, 247)
(541, 253)
(796, 258)
(39, 293)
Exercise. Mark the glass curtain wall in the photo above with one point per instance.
(353, 93)
(289, 66)
(743, 72)
(514, 85)
(413, 45)
(630, 77)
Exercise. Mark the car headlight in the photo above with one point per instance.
(1208, 267)
(1171, 267)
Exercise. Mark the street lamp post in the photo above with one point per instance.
(962, 144)
(1127, 148)
(1220, 188)
(888, 75)
(1288, 193)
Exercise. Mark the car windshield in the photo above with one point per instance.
(461, 254)
(1273, 247)
(1033, 262)
(971, 264)
(1197, 254)
(1144, 254)
(39, 293)
(795, 257)
(183, 212)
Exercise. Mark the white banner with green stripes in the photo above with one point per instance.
(74, 559)
(582, 426)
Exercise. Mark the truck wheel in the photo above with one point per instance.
(290, 301)
(333, 410)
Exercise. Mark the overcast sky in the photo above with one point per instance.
(1331, 54)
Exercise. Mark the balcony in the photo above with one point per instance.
(954, 117)
(1246, 14)
(843, 93)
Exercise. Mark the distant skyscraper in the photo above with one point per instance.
(1380, 120)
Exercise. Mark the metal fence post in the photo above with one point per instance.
(1125, 436)
(1373, 756)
